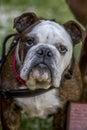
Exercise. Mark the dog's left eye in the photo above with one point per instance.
(62, 49)
(30, 42)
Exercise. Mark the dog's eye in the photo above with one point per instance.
(30, 42)
(62, 49)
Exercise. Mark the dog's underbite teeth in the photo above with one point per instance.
(40, 76)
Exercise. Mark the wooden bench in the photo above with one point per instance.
(77, 116)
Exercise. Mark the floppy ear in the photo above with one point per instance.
(25, 20)
(75, 31)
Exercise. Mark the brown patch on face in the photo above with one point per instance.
(22, 51)
(25, 44)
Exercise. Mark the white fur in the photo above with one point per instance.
(42, 105)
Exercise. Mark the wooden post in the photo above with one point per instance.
(77, 116)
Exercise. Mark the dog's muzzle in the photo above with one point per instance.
(40, 74)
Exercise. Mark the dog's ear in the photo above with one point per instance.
(25, 20)
(75, 31)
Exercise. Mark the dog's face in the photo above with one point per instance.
(43, 52)
(48, 53)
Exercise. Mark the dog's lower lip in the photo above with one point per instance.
(40, 73)
(42, 65)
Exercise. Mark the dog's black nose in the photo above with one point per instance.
(45, 52)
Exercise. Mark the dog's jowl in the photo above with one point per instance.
(40, 60)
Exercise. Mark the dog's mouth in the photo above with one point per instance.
(39, 77)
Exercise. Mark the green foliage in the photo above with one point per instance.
(36, 124)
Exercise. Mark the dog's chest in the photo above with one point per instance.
(40, 106)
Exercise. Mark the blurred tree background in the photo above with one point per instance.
(51, 9)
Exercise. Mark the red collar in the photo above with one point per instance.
(17, 75)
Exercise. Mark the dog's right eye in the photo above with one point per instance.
(62, 49)
(29, 42)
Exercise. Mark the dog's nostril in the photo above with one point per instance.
(49, 53)
(40, 52)
(45, 52)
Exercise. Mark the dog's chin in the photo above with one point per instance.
(39, 77)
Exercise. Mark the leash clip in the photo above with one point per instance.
(4, 93)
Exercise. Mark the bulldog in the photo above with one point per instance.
(41, 58)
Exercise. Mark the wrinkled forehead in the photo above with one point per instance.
(50, 30)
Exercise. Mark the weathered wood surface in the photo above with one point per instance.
(77, 117)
